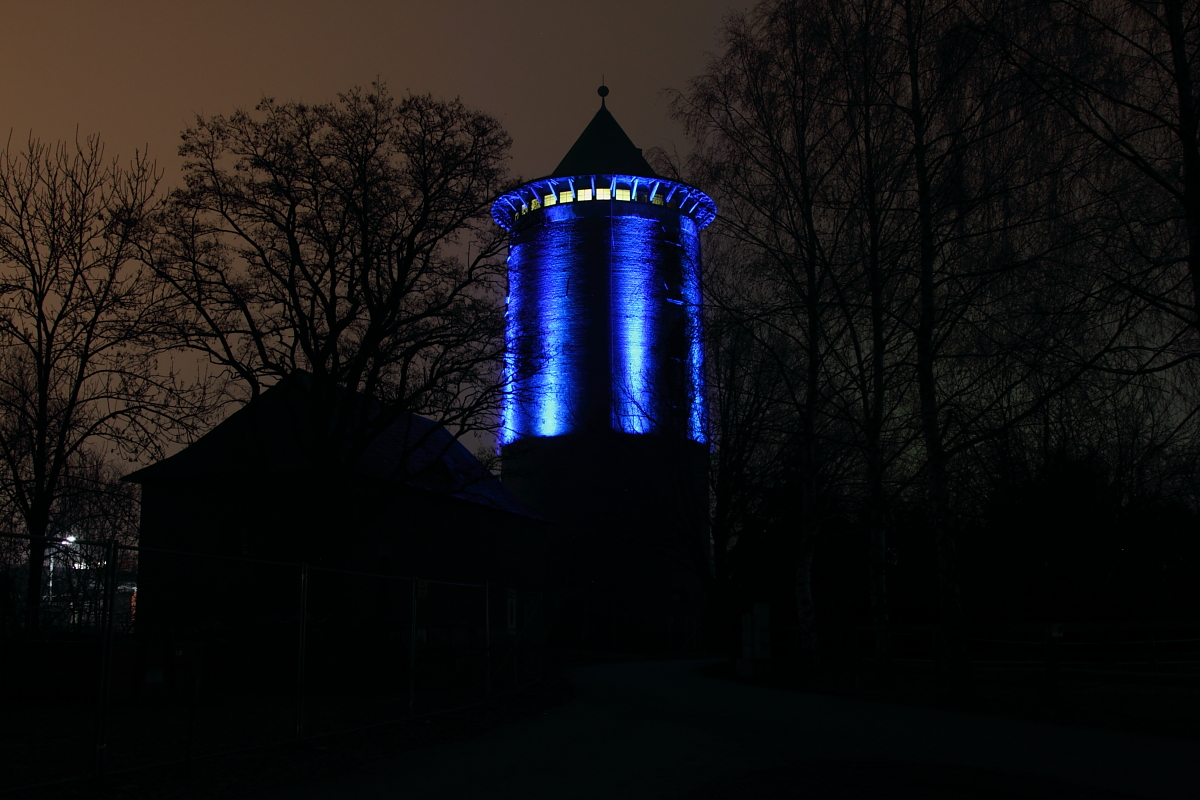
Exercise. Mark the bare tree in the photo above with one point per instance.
(749, 426)
(766, 147)
(869, 346)
(928, 270)
(1125, 73)
(749, 420)
(351, 240)
(81, 369)
(997, 330)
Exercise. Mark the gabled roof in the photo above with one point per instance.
(604, 149)
(264, 437)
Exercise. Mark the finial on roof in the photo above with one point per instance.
(603, 92)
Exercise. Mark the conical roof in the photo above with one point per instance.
(604, 149)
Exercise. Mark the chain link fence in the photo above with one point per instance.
(147, 656)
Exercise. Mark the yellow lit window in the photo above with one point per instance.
(604, 194)
(565, 197)
(524, 208)
(584, 194)
(622, 194)
(658, 201)
(548, 200)
(535, 205)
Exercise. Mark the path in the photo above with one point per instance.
(658, 729)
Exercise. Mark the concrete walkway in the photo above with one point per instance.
(658, 729)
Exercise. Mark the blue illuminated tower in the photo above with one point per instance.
(603, 426)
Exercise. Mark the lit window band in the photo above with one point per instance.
(553, 191)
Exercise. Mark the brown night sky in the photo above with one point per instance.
(138, 72)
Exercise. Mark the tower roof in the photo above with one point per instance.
(607, 168)
(604, 149)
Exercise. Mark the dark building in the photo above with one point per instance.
(604, 421)
(415, 503)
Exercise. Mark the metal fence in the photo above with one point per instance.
(1159, 651)
(148, 656)
(1163, 652)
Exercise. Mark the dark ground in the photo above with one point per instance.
(314, 760)
(797, 738)
(1163, 704)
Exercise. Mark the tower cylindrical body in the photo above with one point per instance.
(603, 324)
(603, 429)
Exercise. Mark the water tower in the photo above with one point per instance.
(603, 426)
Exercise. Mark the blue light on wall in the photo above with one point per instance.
(635, 321)
(693, 300)
(540, 337)
(604, 308)
(555, 376)
(509, 424)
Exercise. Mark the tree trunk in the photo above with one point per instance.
(874, 403)
(935, 454)
(878, 567)
(1189, 127)
(809, 642)
(38, 525)
(33, 590)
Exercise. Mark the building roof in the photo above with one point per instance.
(263, 437)
(604, 149)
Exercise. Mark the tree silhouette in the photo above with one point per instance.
(80, 333)
(940, 288)
(351, 240)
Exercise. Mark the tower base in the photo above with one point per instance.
(631, 548)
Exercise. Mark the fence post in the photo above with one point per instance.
(516, 644)
(412, 646)
(487, 637)
(302, 644)
(106, 626)
(1053, 634)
